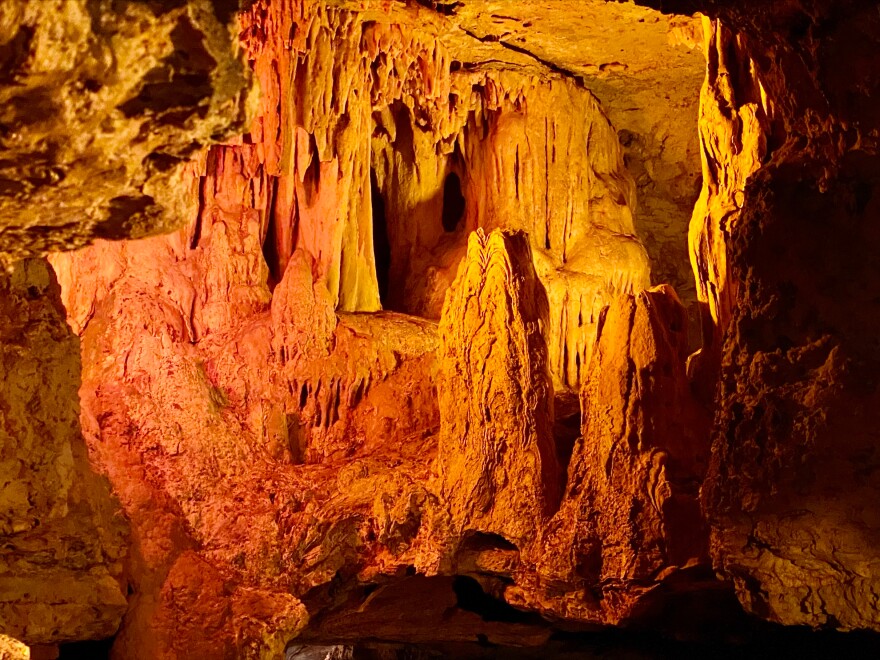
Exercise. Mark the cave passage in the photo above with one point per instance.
(453, 203)
(381, 243)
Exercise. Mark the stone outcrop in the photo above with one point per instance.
(451, 149)
(282, 400)
(792, 475)
(63, 540)
(630, 516)
(736, 124)
(102, 105)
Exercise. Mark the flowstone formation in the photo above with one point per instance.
(398, 368)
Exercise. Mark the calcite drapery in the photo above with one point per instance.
(523, 165)
(496, 461)
(736, 118)
(518, 164)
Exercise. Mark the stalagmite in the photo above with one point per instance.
(630, 515)
(496, 461)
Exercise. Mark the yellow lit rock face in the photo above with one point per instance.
(496, 462)
(101, 107)
(62, 537)
(12, 649)
(400, 357)
(736, 118)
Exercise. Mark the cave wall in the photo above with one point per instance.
(326, 428)
(102, 105)
(64, 542)
(792, 481)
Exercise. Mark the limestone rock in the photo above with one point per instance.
(792, 481)
(630, 515)
(307, 433)
(295, 462)
(103, 104)
(63, 541)
(496, 461)
(12, 649)
(736, 121)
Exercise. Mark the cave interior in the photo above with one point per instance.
(404, 329)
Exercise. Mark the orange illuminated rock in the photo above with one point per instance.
(301, 451)
(630, 515)
(496, 460)
(736, 117)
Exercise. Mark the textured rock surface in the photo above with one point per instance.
(630, 516)
(497, 462)
(289, 398)
(791, 489)
(12, 649)
(323, 425)
(455, 145)
(62, 539)
(101, 106)
(790, 151)
(735, 126)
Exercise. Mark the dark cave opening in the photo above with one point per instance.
(270, 253)
(453, 203)
(471, 597)
(566, 428)
(381, 242)
(86, 650)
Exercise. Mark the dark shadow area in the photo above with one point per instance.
(566, 428)
(480, 541)
(773, 644)
(89, 650)
(453, 203)
(381, 243)
(270, 247)
(471, 598)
